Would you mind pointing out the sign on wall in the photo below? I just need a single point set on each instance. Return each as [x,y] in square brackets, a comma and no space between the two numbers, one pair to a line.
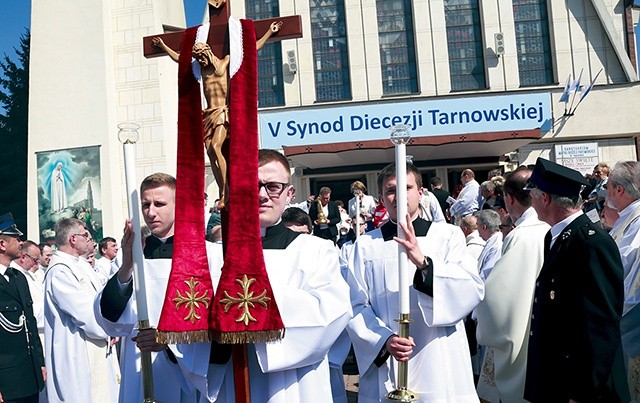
[425,117]
[69,186]
[580,156]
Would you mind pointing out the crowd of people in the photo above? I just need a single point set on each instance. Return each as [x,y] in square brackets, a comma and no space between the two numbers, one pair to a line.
[523,287]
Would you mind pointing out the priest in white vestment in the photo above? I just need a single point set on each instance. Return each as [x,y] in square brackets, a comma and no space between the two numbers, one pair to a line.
[503,315]
[78,355]
[313,300]
[445,288]
[623,193]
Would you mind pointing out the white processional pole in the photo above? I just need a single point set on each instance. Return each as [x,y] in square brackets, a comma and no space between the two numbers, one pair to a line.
[400,137]
[128,136]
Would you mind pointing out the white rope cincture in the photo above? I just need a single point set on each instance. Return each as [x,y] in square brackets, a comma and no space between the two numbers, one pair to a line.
[11,327]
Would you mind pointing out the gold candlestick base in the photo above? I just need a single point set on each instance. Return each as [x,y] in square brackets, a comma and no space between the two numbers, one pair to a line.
[402,393]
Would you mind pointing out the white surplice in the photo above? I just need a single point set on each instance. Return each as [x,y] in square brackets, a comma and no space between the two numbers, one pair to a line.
[80,364]
[440,367]
[490,254]
[169,382]
[626,233]
[313,300]
[503,315]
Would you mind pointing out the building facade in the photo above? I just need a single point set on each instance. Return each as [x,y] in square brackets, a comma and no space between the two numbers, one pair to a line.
[479,84]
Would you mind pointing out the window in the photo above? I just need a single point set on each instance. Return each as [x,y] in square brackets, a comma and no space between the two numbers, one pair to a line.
[330,57]
[397,49]
[532,42]
[464,40]
[270,78]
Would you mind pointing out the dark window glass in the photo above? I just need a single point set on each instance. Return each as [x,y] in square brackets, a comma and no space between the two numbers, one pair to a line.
[397,49]
[330,56]
[464,41]
[270,78]
[532,42]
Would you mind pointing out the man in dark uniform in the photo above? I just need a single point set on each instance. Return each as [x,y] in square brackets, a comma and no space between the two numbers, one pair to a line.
[326,230]
[575,352]
[22,369]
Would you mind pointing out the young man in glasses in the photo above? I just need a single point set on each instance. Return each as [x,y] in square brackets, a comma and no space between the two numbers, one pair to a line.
[312,297]
[75,344]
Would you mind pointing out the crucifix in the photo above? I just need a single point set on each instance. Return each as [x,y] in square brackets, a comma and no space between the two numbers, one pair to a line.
[217,62]
[274,29]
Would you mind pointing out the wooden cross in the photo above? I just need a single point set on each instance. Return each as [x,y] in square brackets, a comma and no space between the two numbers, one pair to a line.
[218,40]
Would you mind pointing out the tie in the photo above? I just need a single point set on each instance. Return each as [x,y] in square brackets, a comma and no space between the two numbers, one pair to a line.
[547,243]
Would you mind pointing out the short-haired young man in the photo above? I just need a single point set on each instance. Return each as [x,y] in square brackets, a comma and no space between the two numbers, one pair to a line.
[116,305]
[445,287]
[106,266]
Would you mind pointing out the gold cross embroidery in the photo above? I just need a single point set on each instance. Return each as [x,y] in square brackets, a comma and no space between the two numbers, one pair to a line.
[192,300]
[246,300]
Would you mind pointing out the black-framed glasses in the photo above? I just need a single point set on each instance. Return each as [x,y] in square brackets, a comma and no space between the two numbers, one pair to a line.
[273,188]
[86,236]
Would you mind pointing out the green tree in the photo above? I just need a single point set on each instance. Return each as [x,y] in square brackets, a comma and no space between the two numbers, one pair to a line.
[14,98]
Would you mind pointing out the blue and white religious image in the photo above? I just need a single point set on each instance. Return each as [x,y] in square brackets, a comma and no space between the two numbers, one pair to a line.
[69,186]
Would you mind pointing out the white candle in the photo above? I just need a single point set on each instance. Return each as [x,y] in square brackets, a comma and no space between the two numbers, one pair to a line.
[357,201]
[134,213]
[401,203]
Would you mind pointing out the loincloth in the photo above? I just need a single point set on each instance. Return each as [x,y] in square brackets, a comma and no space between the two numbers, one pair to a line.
[214,117]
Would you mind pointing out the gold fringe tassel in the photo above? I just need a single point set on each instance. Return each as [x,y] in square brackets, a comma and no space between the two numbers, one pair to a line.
[265,336]
[196,336]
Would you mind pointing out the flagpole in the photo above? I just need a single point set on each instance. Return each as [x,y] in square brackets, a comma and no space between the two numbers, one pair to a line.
[575,90]
[400,137]
[586,92]
[128,136]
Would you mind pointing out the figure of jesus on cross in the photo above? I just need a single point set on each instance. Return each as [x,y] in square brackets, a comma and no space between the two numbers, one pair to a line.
[228,128]
[215,84]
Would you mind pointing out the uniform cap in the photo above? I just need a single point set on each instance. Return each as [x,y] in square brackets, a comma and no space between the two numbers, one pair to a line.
[556,179]
[8,226]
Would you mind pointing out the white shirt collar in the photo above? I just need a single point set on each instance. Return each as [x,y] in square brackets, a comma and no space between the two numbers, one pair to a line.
[528,213]
[629,209]
[559,227]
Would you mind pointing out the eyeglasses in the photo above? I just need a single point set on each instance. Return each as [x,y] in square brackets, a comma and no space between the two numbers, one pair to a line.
[86,236]
[273,188]
[33,259]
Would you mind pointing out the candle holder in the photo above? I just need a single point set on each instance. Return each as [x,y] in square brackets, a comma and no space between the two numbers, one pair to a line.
[128,133]
[400,136]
